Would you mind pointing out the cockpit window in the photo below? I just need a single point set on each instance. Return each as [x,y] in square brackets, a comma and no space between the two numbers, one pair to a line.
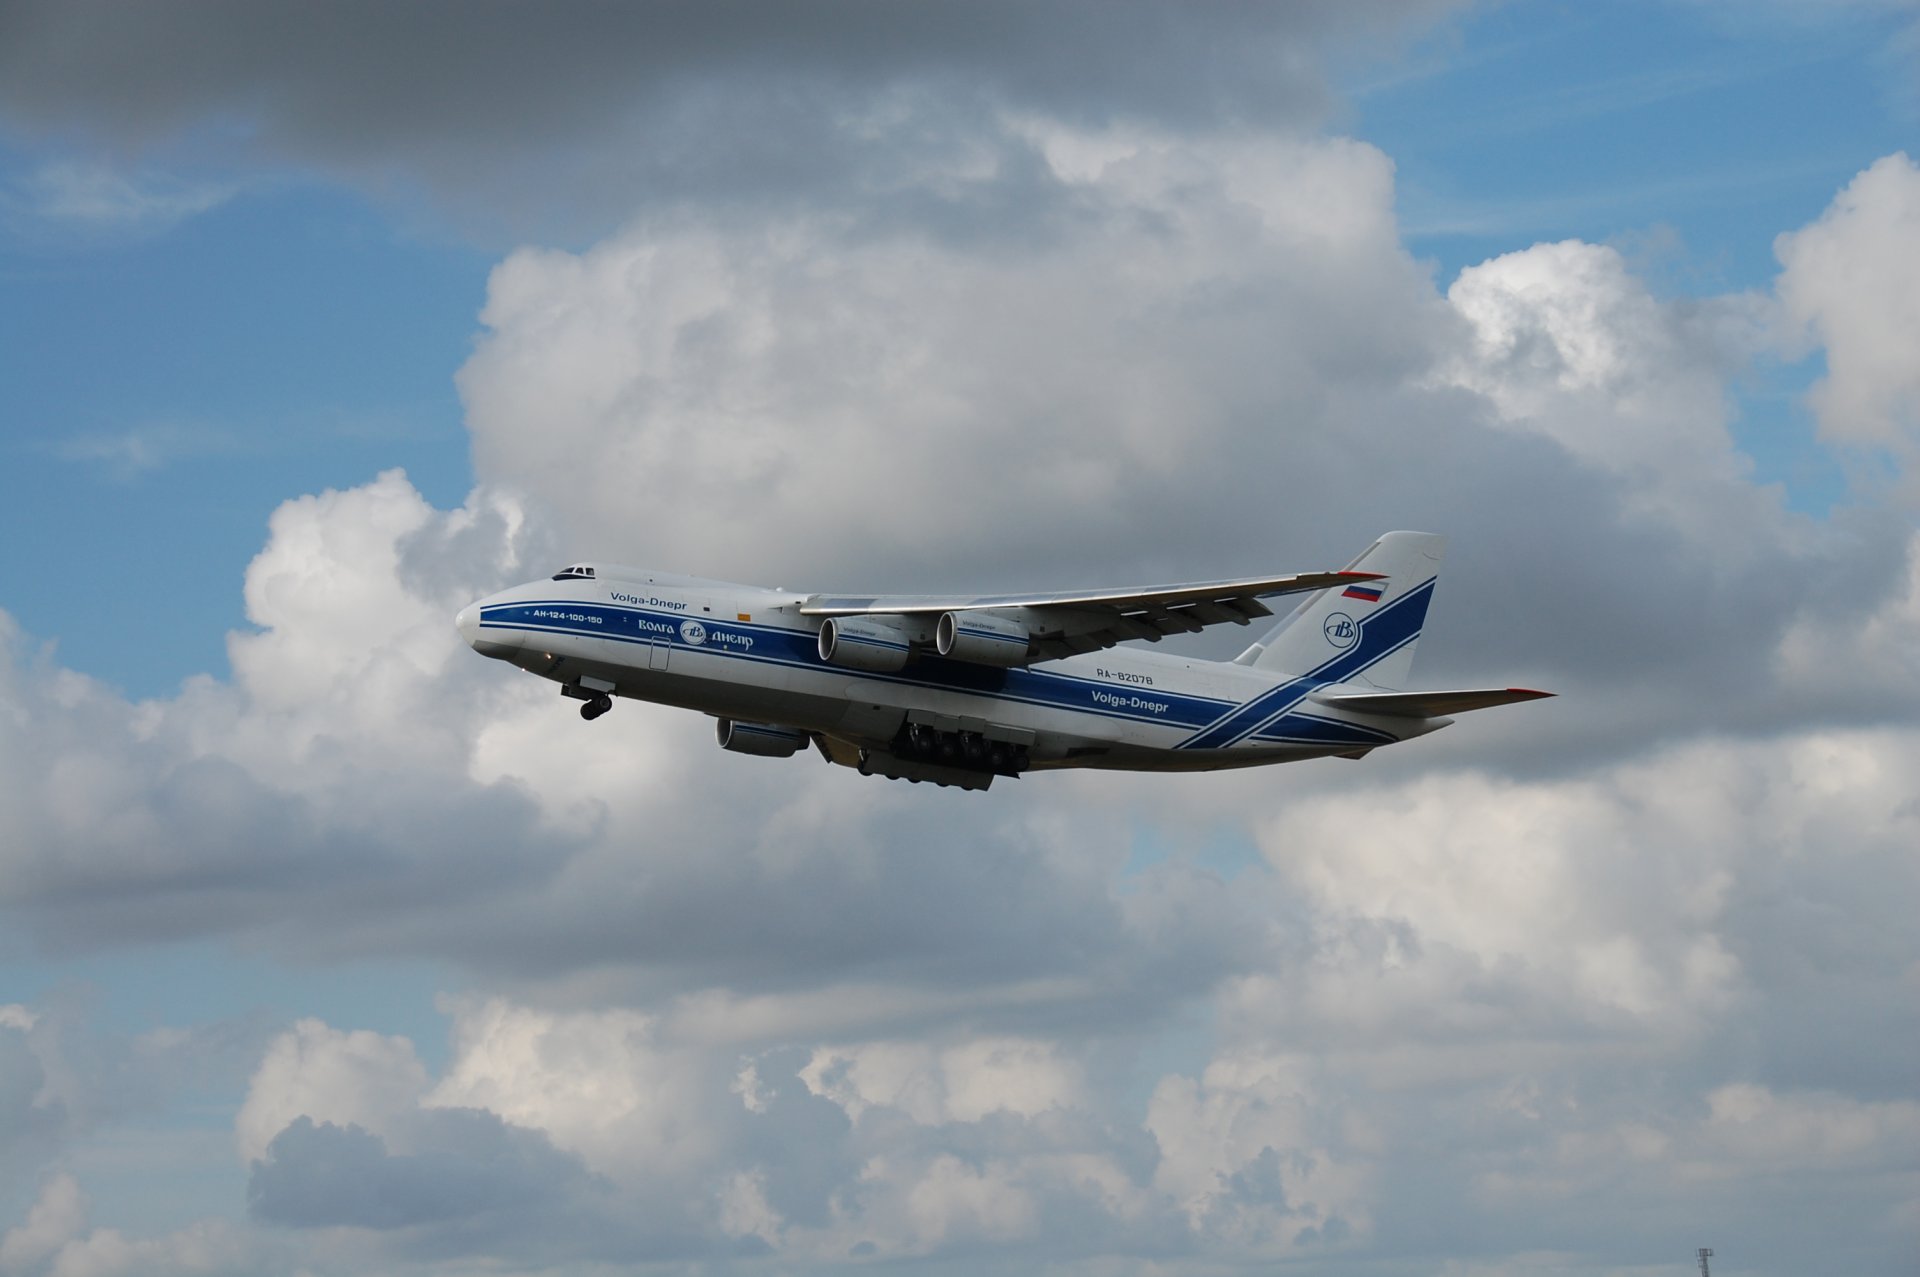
[579,573]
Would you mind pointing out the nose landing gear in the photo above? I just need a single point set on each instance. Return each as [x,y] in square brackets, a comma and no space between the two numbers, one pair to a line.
[594,692]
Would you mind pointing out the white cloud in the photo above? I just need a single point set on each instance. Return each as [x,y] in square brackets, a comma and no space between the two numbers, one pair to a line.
[1851,282]
[953,1200]
[358,1077]
[963,1082]
[598,1083]
[776,1001]
[1567,343]
[885,400]
[1752,1126]
[56,1240]
[131,453]
[57,1216]
[208,1247]
[94,197]
[1244,1151]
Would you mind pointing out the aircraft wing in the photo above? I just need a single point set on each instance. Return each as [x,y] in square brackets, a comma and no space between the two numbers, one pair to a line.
[1088,620]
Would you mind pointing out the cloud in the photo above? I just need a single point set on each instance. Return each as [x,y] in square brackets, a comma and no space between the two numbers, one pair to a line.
[473,1167]
[358,1080]
[58,1215]
[1850,282]
[669,104]
[57,1240]
[1567,343]
[128,454]
[901,405]
[31,1120]
[91,197]
[720,1006]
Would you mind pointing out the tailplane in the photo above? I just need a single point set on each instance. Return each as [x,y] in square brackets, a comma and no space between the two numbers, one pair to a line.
[1366,633]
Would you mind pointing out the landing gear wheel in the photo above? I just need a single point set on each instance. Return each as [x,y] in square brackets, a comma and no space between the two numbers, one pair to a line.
[596,707]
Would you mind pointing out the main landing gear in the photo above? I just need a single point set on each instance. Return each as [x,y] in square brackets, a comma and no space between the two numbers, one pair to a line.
[596,707]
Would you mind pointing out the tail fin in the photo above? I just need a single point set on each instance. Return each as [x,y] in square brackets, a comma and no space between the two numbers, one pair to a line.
[1365,633]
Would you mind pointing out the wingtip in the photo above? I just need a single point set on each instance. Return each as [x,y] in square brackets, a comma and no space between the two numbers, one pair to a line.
[1528,693]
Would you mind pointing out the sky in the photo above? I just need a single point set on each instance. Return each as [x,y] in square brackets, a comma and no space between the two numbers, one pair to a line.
[327,947]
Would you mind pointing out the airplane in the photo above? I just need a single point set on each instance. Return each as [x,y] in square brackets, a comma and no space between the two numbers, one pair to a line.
[961,691]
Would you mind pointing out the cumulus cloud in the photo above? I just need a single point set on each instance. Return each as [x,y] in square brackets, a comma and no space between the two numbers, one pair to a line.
[894,400]
[471,1168]
[1522,977]
[57,1216]
[57,1240]
[1567,343]
[1851,283]
[355,1079]
[897,407]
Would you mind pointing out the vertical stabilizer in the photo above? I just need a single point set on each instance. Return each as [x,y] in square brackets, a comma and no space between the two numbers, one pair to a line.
[1365,633]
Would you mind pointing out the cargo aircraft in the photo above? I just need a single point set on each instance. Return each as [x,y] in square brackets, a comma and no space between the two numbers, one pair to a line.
[959,691]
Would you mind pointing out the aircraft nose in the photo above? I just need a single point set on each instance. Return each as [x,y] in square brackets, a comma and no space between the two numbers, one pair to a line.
[467,621]
[501,644]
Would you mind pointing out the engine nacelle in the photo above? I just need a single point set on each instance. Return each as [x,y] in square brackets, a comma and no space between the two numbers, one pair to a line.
[865,643]
[984,638]
[768,740]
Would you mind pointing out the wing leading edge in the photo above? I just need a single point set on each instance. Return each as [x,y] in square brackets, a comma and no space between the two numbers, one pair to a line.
[1089,620]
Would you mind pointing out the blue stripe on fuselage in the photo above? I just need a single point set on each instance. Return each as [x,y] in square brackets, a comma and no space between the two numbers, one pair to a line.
[1295,728]
[799,649]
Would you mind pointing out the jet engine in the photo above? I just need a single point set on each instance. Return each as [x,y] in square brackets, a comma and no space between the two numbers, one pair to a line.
[983,638]
[765,739]
[864,643]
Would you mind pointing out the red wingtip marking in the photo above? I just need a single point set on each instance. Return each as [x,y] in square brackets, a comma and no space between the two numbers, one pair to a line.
[1528,691]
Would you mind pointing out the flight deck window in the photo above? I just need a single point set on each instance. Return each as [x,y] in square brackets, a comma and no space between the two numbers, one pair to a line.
[574,574]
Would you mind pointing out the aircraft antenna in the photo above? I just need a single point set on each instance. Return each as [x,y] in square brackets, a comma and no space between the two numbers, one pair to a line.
[1704,1252]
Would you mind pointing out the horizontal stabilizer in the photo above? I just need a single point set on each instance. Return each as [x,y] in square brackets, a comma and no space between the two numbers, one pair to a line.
[1423,704]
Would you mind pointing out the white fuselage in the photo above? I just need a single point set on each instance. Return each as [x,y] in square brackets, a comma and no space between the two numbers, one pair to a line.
[740,652]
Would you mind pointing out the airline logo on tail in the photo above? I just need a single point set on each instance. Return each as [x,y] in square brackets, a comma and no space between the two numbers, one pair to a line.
[1340,630]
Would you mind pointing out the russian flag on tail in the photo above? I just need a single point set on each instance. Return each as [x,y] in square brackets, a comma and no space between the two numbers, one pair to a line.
[1365,593]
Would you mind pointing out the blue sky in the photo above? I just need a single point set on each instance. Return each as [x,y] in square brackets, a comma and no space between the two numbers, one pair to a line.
[760,299]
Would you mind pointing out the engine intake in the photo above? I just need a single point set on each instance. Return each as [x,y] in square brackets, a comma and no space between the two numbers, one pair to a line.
[769,740]
[983,638]
[864,643]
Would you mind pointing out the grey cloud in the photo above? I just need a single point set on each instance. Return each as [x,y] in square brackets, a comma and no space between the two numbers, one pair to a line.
[474,1164]
[799,1141]
[1025,930]
[471,1185]
[30,1124]
[111,840]
[626,103]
